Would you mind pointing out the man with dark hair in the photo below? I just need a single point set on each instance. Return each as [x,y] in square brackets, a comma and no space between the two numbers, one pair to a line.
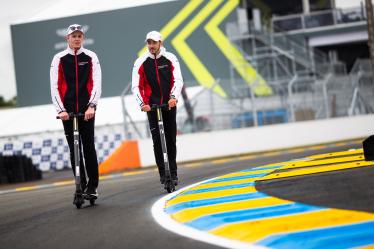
[157,79]
[76,88]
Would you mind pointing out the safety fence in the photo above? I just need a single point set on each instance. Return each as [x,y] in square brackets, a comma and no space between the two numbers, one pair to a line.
[49,150]
[299,99]
[320,19]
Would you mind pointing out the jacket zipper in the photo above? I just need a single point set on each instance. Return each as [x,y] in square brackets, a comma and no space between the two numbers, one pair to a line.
[76,79]
[158,80]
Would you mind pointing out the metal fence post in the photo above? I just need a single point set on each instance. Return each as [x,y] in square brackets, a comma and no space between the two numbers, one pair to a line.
[370,27]
[253,102]
[325,95]
[124,113]
[212,100]
[290,97]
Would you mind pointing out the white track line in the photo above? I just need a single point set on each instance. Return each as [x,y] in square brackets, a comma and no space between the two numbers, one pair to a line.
[165,220]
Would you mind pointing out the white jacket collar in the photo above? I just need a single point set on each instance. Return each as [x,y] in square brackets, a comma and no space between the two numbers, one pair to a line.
[162,52]
[71,51]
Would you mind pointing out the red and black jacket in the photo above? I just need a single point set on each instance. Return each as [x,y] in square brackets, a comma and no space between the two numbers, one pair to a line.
[156,79]
[75,80]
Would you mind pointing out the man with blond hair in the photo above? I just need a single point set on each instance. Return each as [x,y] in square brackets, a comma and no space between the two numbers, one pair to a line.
[75,77]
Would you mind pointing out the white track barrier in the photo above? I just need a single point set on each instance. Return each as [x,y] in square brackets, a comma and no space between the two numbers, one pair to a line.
[266,138]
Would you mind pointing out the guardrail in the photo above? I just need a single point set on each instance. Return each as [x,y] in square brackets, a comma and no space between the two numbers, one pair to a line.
[318,19]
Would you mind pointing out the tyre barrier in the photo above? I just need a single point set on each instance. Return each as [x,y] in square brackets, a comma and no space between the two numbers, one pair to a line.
[16,169]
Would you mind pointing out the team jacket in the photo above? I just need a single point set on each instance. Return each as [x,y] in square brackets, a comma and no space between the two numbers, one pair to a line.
[75,80]
[156,80]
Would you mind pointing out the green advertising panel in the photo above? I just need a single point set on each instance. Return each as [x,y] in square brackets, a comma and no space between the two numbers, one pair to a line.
[193,30]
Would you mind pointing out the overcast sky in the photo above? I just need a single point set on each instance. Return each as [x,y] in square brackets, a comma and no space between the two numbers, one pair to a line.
[13,13]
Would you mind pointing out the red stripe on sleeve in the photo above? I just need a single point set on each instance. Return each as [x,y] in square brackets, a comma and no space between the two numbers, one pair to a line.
[172,77]
[61,82]
[144,86]
[90,80]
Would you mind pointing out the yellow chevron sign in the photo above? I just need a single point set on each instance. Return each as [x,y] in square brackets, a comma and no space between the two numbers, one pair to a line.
[176,21]
[192,61]
[200,72]
[246,71]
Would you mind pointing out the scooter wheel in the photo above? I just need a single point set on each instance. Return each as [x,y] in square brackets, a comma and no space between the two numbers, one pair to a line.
[78,201]
[92,202]
[169,186]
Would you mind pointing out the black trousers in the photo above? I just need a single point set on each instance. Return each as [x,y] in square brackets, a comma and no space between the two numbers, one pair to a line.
[170,127]
[87,141]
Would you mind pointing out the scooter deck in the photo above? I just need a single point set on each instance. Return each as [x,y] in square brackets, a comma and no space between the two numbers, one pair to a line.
[90,197]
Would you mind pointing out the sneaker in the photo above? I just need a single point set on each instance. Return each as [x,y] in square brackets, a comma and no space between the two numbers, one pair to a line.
[162,179]
[78,199]
[91,193]
[75,200]
[174,178]
[84,187]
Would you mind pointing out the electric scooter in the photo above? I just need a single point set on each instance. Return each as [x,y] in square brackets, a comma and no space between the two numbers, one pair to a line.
[169,184]
[79,196]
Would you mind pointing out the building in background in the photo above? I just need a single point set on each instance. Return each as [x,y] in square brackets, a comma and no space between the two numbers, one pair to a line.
[341,33]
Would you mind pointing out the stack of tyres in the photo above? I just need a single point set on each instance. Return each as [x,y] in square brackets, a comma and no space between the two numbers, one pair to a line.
[36,174]
[28,169]
[8,161]
[3,172]
[368,146]
[18,169]
[15,169]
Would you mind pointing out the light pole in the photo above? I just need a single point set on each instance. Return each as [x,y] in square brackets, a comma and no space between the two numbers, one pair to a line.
[370,21]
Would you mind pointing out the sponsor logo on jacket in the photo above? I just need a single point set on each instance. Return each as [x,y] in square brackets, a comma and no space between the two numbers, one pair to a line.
[162,66]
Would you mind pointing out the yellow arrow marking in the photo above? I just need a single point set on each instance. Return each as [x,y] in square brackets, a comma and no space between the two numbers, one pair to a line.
[336,154]
[246,71]
[246,173]
[315,170]
[197,68]
[326,162]
[176,21]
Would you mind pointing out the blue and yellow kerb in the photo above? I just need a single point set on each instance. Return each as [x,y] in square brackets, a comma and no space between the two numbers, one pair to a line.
[230,207]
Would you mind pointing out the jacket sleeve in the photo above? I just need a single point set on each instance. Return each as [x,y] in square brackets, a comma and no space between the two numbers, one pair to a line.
[177,75]
[137,85]
[54,77]
[96,77]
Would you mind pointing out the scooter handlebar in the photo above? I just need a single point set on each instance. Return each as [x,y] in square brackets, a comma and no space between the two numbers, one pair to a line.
[162,106]
[72,115]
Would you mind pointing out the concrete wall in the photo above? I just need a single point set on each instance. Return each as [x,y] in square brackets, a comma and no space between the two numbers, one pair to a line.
[265,138]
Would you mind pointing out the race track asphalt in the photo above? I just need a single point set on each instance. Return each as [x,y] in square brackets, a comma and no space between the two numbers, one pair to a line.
[46,218]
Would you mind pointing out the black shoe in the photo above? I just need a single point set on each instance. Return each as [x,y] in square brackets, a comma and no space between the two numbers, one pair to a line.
[78,198]
[91,193]
[84,187]
[75,199]
[162,179]
[174,178]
